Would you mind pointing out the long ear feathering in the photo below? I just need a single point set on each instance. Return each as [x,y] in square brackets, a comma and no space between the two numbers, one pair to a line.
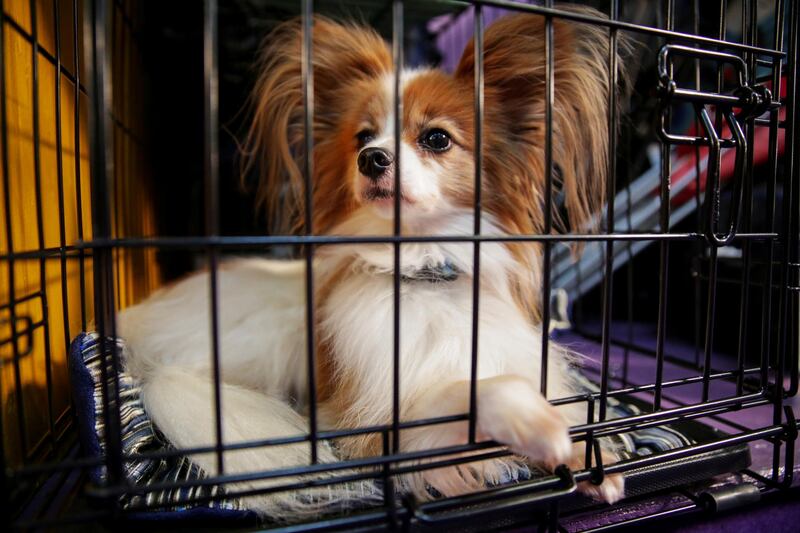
[514,80]
[514,131]
[274,146]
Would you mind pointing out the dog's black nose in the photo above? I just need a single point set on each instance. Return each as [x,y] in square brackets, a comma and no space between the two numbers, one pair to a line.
[373,162]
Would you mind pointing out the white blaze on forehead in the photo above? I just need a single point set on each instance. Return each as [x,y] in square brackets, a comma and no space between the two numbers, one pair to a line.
[388,86]
[420,180]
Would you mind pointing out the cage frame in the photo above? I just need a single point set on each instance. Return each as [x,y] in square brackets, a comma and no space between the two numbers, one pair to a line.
[781,432]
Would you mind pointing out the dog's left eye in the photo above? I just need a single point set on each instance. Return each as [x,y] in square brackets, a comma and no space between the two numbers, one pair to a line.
[436,140]
[365,136]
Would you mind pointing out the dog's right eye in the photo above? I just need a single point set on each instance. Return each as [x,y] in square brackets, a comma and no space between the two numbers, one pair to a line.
[364,137]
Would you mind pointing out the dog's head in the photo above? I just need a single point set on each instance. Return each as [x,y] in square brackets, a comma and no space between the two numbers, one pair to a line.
[354,156]
[355,159]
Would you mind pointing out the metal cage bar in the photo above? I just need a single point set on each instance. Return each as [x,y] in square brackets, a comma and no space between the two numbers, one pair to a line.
[777,347]
[476,257]
[211,164]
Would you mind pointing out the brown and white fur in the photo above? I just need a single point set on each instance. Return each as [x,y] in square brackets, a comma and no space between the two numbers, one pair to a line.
[262,303]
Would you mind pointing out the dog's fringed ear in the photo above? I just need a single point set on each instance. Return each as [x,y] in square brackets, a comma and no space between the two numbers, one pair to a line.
[514,116]
[274,147]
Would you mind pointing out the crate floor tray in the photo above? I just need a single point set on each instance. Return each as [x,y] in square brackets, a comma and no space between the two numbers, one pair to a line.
[139,434]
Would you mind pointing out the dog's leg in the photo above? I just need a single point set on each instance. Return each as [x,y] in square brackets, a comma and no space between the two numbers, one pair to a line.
[612,489]
[180,402]
[512,412]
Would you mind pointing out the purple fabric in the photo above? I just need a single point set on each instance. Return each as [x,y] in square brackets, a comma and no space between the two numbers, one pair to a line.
[641,370]
[779,517]
[453,31]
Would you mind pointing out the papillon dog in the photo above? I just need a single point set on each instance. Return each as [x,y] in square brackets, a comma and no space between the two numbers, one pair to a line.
[262,303]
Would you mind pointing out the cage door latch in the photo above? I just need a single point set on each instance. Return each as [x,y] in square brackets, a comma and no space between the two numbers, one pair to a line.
[745,101]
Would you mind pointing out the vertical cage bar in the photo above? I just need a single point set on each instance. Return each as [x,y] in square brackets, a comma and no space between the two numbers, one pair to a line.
[308,108]
[748,19]
[62,235]
[749,37]
[792,154]
[14,335]
[12,311]
[766,315]
[388,485]
[5,482]
[102,161]
[397,55]
[37,178]
[476,266]
[116,137]
[698,245]
[587,457]
[211,151]
[629,289]
[713,250]
[549,91]
[789,240]
[628,265]
[608,277]
[77,144]
[663,267]
[789,230]
[711,308]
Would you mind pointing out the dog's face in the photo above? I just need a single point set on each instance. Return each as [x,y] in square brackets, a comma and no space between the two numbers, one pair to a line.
[354,157]
[436,160]
[354,162]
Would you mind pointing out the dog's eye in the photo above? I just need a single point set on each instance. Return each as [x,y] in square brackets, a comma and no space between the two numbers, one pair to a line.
[364,137]
[436,140]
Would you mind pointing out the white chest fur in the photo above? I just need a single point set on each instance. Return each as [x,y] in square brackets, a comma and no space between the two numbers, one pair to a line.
[436,321]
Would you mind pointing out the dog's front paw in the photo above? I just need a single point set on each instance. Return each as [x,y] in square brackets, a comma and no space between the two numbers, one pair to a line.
[611,490]
[513,413]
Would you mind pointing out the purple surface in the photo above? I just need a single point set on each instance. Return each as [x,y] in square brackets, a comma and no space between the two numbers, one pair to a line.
[780,517]
[453,31]
[641,370]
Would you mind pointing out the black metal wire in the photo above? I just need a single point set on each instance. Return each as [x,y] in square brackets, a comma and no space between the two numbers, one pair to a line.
[397,56]
[663,269]
[118,179]
[698,248]
[62,223]
[10,242]
[668,33]
[37,176]
[476,264]
[392,462]
[258,241]
[77,152]
[44,53]
[308,108]
[713,251]
[5,488]
[103,260]
[791,234]
[549,95]
[766,320]
[794,224]
[211,122]
[608,277]
[744,297]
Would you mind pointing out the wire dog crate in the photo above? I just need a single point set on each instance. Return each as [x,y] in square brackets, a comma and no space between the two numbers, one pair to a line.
[686,302]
